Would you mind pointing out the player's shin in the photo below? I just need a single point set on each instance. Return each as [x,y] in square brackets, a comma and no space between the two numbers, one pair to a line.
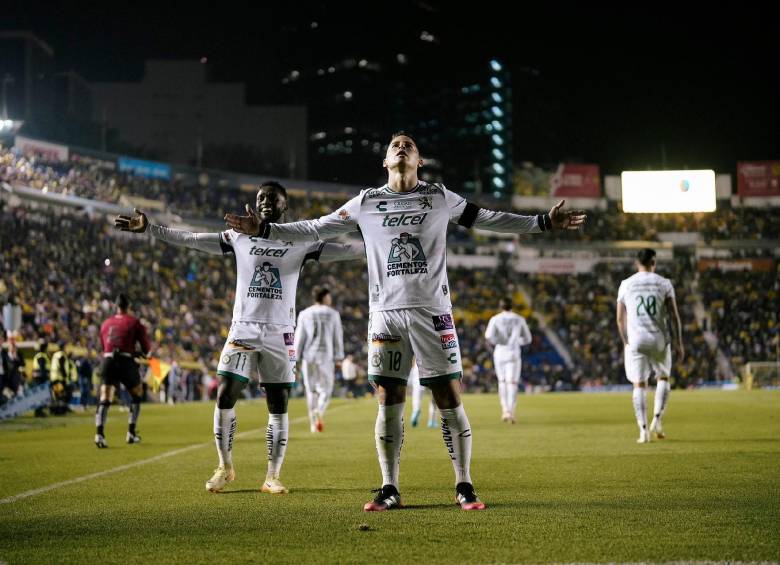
[456,431]
[389,436]
[224,430]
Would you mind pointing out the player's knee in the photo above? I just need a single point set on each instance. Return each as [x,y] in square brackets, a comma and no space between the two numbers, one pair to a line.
[225,402]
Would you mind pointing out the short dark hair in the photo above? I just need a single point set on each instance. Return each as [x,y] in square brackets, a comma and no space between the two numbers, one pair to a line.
[646,256]
[122,302]
[402,132]
[505,303]
[274,184]
[319,293]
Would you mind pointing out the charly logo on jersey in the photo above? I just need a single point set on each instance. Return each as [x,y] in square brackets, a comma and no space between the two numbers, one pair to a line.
[448,341]
[406,256]
[266,282]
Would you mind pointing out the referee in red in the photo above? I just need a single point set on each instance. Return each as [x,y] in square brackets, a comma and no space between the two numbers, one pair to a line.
[119,335]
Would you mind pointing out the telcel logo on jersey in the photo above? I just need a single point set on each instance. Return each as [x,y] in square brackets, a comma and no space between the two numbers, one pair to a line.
[268,252]
[403,220]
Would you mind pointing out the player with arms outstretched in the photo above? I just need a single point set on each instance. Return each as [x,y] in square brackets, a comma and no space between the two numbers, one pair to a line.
[261,337]
[404,227]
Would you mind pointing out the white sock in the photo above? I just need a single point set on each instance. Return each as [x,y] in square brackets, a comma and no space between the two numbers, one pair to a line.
[511,397]
[311,403]
[324,399]
[224,430]
[662,390]
[456,431]
[640,407]
[431,410]
[502,396]
[276,441]
[389,436]
[417,392]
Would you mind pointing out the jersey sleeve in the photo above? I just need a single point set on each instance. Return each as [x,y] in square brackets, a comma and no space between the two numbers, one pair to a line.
[143,338]
[301,334]
[621,297]
[211,243]
[668,289]
[491,333]
[338,341]
[525,333]
[468,215]
[343,220]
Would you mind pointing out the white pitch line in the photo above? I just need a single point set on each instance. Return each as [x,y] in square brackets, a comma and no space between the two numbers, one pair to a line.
[121,468]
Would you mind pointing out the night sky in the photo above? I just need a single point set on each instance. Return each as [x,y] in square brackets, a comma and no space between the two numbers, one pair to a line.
[623,90]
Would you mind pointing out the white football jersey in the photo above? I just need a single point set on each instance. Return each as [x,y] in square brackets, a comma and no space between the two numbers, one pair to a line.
[319,336]
[508,332]
[644,295]
[267,276]
[405,235]
[266,271]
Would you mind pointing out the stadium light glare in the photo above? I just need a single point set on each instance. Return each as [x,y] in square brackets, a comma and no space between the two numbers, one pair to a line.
[497,139]
[497,111]
[497,125]
[495,82]
[495,65]
[498,154]
[668,191]
[497,97]
[498,182]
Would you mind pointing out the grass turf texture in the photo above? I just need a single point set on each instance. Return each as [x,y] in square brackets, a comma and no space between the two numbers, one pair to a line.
[567,483]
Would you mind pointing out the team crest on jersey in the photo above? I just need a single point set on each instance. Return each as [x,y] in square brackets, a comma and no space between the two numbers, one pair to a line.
[425,202]
[406,257]
[376,360]
[443,322]
[266,282]
[448,341]
[344,215]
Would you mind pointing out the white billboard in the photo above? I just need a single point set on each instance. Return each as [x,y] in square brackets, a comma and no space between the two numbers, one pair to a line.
[668,191]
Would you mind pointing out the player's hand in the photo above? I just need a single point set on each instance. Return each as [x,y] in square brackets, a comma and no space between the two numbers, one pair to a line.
[679,351]
[567,220]
[249,224]
[137,223]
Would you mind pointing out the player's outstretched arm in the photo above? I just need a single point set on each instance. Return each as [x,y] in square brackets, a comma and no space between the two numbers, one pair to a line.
[137,223]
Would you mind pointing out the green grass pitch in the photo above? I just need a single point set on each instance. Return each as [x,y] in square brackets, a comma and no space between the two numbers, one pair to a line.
[566,484]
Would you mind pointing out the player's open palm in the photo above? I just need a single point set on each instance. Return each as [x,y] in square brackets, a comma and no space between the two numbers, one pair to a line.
[136,223]
[567,219]
[249,223]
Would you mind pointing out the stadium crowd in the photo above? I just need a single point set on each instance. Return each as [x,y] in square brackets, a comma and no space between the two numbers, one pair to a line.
[62,267]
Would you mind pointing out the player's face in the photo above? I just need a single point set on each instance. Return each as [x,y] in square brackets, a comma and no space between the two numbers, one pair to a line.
[271,203]
[402,153]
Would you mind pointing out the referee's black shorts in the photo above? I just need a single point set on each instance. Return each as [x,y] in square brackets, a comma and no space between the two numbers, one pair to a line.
[120,369]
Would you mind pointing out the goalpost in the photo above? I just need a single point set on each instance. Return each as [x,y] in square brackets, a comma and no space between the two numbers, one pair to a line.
[761,375]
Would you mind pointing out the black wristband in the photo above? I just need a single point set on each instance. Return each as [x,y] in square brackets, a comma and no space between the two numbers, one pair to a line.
[544,221]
